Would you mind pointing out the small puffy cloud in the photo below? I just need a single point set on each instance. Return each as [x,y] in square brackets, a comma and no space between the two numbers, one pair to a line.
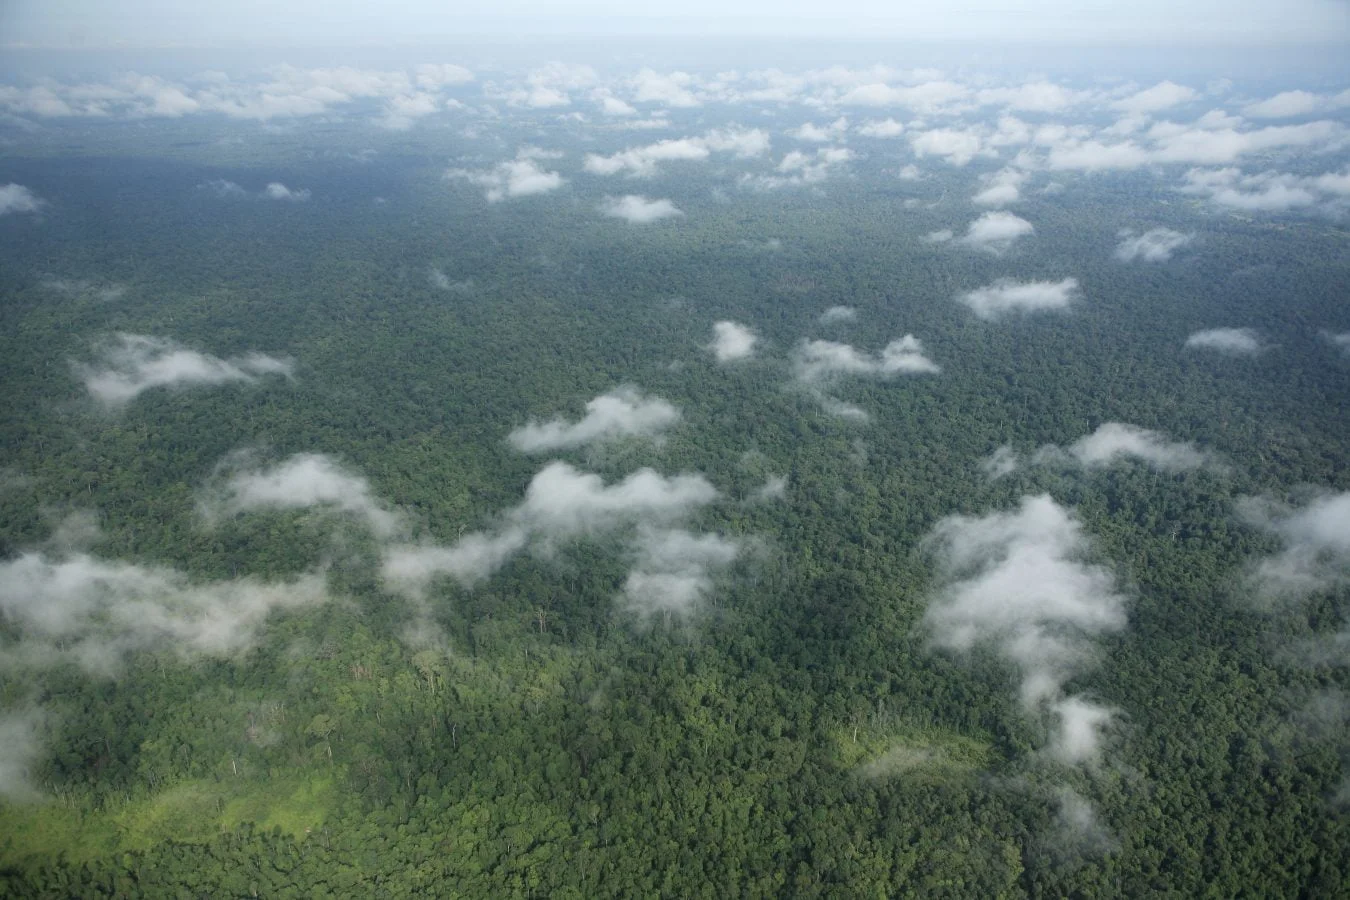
[1267,191]
[817,361]
[1020,583]
[670,89]
[1001,188]
[732,341]
[1007,296]
[1154,245]
[1163,95]
[798,168]
[613,106]
[645,161]
[821,134]
[928,97]
[956,146]
[1316,538]
[1237,341]
[278,191]
[621,413]
[1114,441]
[302,481]
[674,570]
[940,236]
[909,173]
[838,314]
[15,198]
[881,128]
[132,363]
[224,188]
[560,503]
[996,231]
[519,177]
[94,612]
[401,112]
[1002,462]
[1285,105]
[638,209]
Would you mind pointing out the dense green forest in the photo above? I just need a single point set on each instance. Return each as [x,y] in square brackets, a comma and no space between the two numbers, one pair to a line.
[208,692]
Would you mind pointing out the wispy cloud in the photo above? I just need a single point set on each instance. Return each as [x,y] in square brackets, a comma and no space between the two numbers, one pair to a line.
[1235,341]
[131,364]
[1019,582]
[1154,245]
[836,314]
[621,413]
[645,161]
[302,481]
[1006,297]
[560,502]
[674,570]
[1316,538]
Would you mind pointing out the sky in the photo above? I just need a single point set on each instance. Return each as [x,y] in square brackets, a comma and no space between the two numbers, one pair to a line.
[208,23]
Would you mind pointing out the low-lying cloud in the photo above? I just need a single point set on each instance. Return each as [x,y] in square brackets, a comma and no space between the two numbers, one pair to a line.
[674,570]
[1006,297]
[519,177]
[1154,245]
[1235,341]
[621,413]
[1316,538]
[818,361]
[15,198]
[131,364]
[560,503]
[644,162]
[278,191]
[996,231]
[302,481]
[732,341]
[639,210]
[1019,583]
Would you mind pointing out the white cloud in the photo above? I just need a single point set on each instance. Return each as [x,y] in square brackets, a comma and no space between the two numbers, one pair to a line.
[645,161]
[302,481]
[939,237]
[817,361]
[223,188]
[1001,188]
[1268,191]
[671,89]
[909,173]
[278,191]
[798,168]
[133,363]
[401,112]
[929,97]
[638,209]
[1197,144]
[1002,462]
[1154,245]
[519,177]
[560,502]
[1316,537]
[613,106]
[1007,296]
[732,341]
[15,198]
[1113,441]
[674,570]
[1163,95]
[838,314]
[1237,341]
[996,231]
[821,134]
[1341,339]
[1285,105]
[94,612]
[1018,582]
[956,146]
[621,413]
[882,128]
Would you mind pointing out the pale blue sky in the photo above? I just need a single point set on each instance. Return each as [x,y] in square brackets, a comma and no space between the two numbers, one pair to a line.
[62,23]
